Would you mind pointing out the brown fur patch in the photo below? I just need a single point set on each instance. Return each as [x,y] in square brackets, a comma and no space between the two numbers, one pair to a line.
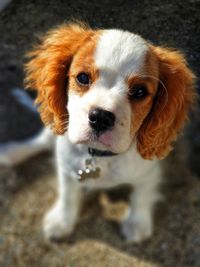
[47,71]
[170,109]
[84,62]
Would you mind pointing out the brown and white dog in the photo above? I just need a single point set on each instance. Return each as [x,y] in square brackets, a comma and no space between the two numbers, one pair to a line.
[122,97]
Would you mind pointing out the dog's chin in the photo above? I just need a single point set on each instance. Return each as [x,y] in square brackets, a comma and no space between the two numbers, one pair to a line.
[104,142]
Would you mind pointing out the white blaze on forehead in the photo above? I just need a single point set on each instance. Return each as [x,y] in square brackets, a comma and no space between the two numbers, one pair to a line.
[120,51]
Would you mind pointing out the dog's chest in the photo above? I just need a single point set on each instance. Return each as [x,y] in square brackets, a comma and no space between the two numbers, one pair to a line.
[127,168]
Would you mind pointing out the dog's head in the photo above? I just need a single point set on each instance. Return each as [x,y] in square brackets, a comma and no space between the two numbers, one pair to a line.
[110,89]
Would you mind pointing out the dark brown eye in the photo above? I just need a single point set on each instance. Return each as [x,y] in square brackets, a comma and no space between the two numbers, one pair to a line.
[138,92]
[83,79]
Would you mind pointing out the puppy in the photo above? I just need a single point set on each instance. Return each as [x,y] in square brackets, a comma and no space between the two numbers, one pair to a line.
[116,103]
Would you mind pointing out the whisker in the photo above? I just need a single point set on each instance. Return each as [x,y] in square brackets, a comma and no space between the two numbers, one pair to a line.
[63,122]
[165,103]
[65,128]
[63,115]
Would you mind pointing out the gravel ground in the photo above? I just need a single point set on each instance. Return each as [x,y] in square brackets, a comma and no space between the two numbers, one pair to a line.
[23,196]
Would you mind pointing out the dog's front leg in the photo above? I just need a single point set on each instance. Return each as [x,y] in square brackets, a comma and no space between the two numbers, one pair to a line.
[62,217]
[139,224]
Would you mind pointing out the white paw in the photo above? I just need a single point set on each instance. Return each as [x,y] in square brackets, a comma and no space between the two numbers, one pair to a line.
[136,229]
[58,223]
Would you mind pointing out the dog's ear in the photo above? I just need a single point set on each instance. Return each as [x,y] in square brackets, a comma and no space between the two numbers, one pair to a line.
[175,96]
[47,71]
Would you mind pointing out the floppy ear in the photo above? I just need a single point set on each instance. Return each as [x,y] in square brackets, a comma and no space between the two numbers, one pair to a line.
[47,72]
[170,109]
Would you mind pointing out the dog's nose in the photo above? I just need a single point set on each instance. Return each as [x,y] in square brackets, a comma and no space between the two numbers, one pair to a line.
[101,120]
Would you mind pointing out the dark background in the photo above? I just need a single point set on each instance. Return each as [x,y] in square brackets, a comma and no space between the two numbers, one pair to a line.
[27,191]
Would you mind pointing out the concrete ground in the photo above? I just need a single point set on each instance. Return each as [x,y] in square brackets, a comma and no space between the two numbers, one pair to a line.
[28,190]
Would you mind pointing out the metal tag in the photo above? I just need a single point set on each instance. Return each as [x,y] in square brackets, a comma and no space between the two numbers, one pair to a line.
[90,171]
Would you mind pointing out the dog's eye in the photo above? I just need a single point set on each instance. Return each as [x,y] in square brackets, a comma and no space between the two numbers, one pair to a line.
[138,92]
[83,78]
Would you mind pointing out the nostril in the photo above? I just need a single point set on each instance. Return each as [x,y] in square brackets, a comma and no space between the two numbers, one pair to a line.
[93,116]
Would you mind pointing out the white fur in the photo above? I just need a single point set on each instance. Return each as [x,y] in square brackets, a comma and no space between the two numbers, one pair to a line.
[118,54]
[121,53]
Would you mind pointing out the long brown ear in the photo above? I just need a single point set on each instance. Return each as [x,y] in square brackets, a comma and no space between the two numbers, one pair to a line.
[47,71]
[171,106]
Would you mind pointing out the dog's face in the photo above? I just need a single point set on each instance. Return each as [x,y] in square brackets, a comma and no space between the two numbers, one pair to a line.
[110,90]
[113,88]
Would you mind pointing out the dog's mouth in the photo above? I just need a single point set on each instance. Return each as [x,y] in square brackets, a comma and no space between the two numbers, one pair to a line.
[108,141]
[105,139]
[103,144]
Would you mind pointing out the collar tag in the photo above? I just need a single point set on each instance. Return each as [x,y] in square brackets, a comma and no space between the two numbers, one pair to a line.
[90,171]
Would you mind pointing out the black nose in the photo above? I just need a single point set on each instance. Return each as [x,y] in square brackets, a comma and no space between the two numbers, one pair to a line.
[101,120]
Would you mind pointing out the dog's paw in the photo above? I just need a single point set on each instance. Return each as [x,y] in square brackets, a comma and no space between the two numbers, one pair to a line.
[136,229]
[57,225]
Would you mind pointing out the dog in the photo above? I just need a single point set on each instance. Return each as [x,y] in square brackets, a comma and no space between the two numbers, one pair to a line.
[116,104]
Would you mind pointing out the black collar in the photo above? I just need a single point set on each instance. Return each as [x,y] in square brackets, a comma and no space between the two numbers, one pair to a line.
[100,153]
